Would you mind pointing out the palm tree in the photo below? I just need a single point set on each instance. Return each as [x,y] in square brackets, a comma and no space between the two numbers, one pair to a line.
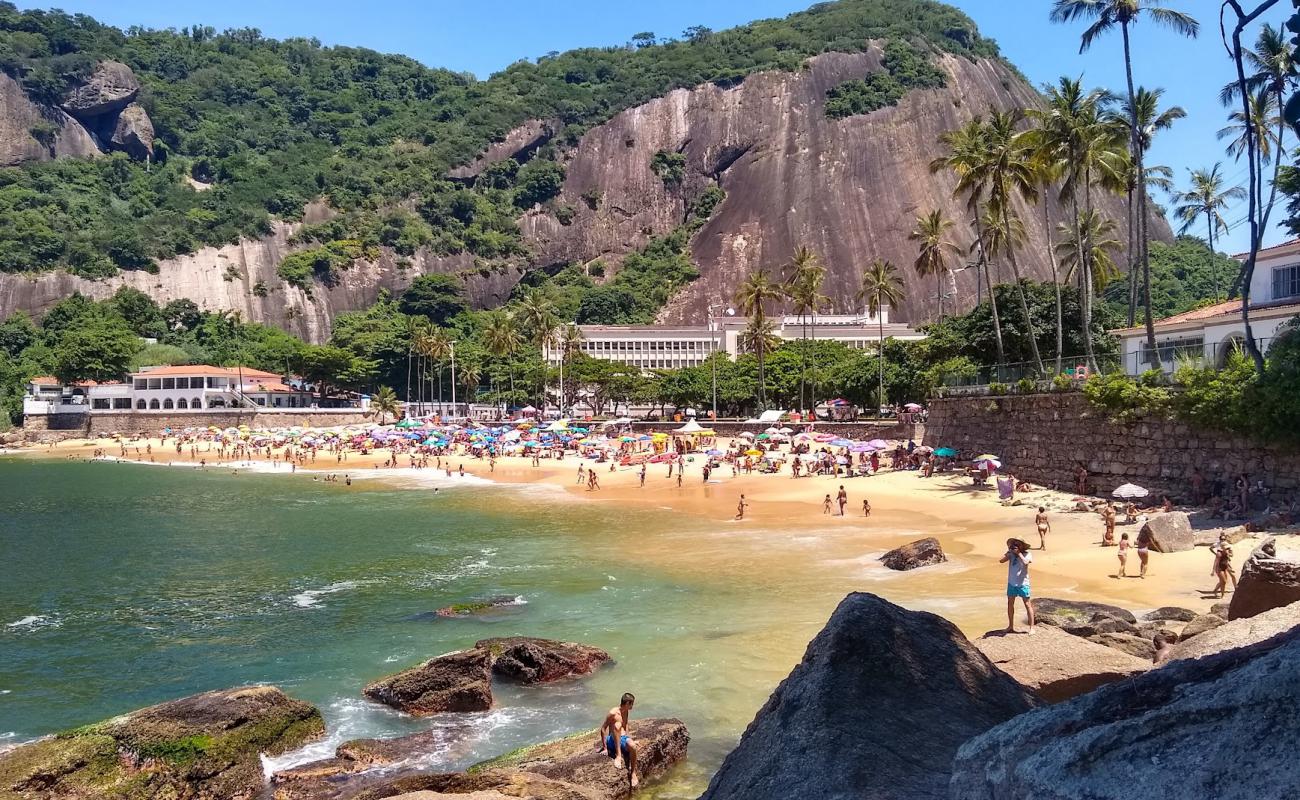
[1106,15]
[1049,172]
[570,344]
[537,315]
[1273,66]
[423,345]
[1265,113]
[804,276]
[933,249]
[502,340]
[1207,196]
[759,337]
[470,377]
[752,296]
[966,147]
[385,403]
[1009,171]
[1145,108]
[1098,244]
[881,287]
[438,348]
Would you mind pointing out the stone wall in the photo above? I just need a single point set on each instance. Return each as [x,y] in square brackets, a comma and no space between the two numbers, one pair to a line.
[41,428]
[862,431]
[1044,438]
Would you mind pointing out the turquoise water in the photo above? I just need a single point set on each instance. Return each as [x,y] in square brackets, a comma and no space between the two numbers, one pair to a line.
[123,585]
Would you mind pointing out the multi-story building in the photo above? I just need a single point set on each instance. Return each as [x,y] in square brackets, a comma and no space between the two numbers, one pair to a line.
[674,347]
[1209,335]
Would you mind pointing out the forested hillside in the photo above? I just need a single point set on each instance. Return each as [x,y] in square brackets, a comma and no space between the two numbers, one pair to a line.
[250,129]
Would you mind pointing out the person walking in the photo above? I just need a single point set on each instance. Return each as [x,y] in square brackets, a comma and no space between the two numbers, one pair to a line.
[1018,558]
[1122,554]
[842,499]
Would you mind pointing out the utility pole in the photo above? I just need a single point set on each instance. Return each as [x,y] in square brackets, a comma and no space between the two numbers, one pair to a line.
[452,346]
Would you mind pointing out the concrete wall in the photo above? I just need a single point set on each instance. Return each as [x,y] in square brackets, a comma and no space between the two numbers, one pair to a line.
[1045,437]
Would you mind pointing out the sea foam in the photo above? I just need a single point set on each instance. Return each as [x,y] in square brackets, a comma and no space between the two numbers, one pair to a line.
[311,597]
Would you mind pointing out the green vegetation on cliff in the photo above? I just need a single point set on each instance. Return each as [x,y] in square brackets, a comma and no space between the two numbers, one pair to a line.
[271,125]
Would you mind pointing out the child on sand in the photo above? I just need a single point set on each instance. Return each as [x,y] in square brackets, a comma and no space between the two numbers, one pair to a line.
[866,507]
[1122,555]
[742,505]
[1108,518]
[826,505]
[1223,567]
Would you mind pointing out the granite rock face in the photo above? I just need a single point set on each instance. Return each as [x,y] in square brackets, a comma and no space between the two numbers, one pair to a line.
[454,682]
[1221,726]
[921,553]
[1269,579]
[1169,532]
[22,121]
[111,87]
[1239,633]
[877,708]
[133,132]
[1056,665]
[1170,613]
[528,660]
[204,747]
[1062,613]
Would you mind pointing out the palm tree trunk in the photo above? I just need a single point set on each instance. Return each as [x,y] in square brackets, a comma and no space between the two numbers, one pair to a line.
[993,302]
[1085,272]
[1132,261]
[1135,145]
[880,358]
[1020,292]
[1056,286]
[408,376]
[1209,239]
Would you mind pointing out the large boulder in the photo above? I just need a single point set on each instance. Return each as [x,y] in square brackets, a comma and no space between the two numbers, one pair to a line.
[877,708]
[1052,611]
[1269,579]
[204,747]
[1136,646]
[527,660]
[1170,532]
[29,132]
[1239,633]
[455,682]
[133,133]
[921,553]
[1200,624]
[111,87]
[1170,614]
[1222,727]
[567,769]
[1055,664]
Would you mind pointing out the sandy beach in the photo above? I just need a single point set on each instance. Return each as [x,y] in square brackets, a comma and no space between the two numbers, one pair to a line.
[970,522]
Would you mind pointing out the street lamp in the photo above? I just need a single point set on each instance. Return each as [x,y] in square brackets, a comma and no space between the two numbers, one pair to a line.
[452,347]
[714,329]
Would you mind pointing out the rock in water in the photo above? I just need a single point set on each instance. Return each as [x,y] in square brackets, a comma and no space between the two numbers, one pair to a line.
[204,747]
[921,553]
[1270,579]
[1055,664]
[1169,532]
[1050,611]
[1238,633]
[1222,727]
[876,709]
[454,682]
[111,87]
[529,661]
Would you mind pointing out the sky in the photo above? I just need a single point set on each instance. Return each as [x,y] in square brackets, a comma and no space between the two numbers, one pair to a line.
[482,37]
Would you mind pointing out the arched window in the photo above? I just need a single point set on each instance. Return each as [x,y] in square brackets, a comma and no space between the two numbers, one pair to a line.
[181,403]
[153,404]
[196,403]
[140,404]
[168,404]
[217,402]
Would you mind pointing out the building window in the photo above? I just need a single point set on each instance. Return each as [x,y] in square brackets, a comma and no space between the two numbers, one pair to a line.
[1286,282]
[182,403]
[140,383]
[196,403]
[169,383]
[120,403]
[1174,349]
[99,403]
[168,404]
[155,383]
[153,404]
[141,404]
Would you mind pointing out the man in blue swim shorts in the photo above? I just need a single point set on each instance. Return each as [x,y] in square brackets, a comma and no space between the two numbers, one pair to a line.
[615,738]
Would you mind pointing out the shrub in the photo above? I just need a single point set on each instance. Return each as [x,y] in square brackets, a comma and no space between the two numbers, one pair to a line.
[1125,399]
[997,388]
[1062,383]
[565,213]
[1026,386]
[670,167]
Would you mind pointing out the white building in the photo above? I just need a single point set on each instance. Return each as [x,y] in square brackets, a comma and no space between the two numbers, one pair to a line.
[196,387]
[674,347]
[1209,335]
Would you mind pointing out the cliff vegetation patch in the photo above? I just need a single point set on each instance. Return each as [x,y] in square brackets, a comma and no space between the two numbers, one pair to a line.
[904,68]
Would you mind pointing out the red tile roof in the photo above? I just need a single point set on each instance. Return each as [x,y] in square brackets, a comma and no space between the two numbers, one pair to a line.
[205,370]
[46,380]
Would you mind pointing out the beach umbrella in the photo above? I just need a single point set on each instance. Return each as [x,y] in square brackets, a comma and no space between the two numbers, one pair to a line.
[1129,491]
[986,457]
[714,452]
[746,435]
[825,437]
[753,452]
[945,452]
[879,444]
[763,436]
[785,430]
[988,464]
[924,450]
[860,447]
[912,407]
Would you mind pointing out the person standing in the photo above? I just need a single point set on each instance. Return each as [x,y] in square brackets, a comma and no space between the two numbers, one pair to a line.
[642,474]
[1018,558]
[1223,567]
[740,507]
[1044,527]
[842,499]
[866,507]
[1122,554]
[1143,551]
[826,505]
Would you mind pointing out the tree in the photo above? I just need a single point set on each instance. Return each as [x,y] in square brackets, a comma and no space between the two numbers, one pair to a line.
[537,316]
[140,312]
[804,277]
[537,182]
[1207,197]
[502,340]
[607,305]
[470,378]
[97,349]
[325,366]
[1106,15]
[1098,246]
[881,287]
[435,297]
[181,315]
[752,296]
[933,249]
[385,404]
[966,151]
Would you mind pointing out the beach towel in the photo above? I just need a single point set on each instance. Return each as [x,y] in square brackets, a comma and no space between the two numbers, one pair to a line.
[1006,488]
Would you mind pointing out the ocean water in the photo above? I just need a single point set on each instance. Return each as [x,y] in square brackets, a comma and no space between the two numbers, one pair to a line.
[123,585]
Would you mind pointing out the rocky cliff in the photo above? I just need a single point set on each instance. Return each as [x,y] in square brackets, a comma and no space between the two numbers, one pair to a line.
[848,188]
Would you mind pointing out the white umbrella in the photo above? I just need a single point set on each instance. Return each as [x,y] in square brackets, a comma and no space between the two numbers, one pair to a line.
[746,435]
[1130,490]
[785,430]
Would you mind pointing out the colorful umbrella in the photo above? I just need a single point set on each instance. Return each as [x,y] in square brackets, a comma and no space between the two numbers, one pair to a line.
[946,452]
[988,464]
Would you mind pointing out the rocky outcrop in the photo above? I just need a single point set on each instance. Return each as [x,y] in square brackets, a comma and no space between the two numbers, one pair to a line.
[110,88]
[567,769]
[1170,532]
[518,144]
[529,661]
[1238,633]
[1269,579]
[1136,646]
[1055,664]
[204,747]
[921,553]
[133,132]
[1077,611]
[1170,613]
[792,176]
[454,682]
[473,607]
[1221,726]
[877,708]
[22,122]
[1200,624]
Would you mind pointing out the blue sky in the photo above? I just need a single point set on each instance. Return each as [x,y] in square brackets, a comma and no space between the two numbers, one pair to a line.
[481,37]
